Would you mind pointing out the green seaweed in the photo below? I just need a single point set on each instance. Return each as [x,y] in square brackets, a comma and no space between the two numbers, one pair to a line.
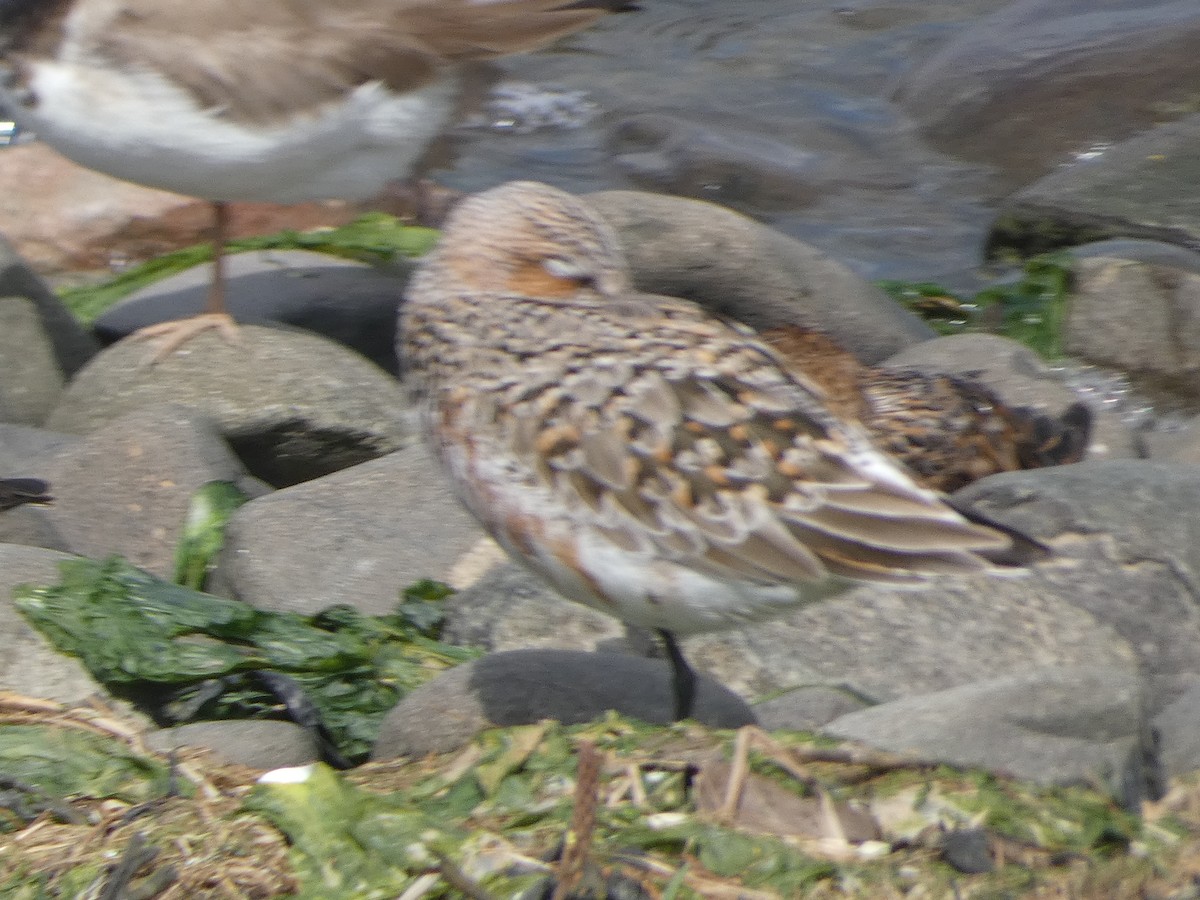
[374,238]
[209,509]
[153,640]
[1031,309]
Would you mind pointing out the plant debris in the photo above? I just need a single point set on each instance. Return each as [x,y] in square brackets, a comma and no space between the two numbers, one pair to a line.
[492,819]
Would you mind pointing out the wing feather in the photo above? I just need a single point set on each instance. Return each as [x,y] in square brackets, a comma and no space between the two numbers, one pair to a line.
[265,60]
[735,468]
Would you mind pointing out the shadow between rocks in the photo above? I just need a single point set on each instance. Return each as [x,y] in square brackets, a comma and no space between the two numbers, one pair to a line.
[520,687]
[571,686]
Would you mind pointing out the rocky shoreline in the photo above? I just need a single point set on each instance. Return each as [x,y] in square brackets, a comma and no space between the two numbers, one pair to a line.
[1085,669]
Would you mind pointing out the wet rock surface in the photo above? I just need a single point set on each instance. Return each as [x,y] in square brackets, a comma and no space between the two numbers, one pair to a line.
[887,135]
[1131,189]
[1028,69]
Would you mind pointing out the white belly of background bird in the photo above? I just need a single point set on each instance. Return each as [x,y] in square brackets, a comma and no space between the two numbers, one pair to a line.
[348,149]
[646,459]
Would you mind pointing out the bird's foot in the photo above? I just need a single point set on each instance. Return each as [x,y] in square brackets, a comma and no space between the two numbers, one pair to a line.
[177,332]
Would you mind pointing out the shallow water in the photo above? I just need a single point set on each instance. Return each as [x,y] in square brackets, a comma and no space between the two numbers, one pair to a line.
[799,113]
[776,108]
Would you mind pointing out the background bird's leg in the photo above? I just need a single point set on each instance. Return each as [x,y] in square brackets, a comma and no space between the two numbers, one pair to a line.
[683,679]
[177,332]
[216,288]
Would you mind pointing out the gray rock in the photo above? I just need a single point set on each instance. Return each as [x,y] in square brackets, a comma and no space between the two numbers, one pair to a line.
[1065,71]
[880,642]
[1141,318]
[968,850]
[736,267]
[1178,728]
[32,378]
[1127,548]
[1132,190]
[1019,377]
[1178,443]
[29,665]
[359,536]
[24,450]
[807,708]
[72,344]
[1158,253]
[510,608]
[1051,726]
[125,488]
[525,686]
[293,405]
[346,301]
[30,526]
[886,643]
[257,743]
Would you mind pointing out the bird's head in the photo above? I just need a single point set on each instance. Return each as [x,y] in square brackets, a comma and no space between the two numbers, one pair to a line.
[531,240]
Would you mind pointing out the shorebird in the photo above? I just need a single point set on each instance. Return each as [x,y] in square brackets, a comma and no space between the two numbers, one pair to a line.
[268,100]
[15,492]
[948,430]
[645,458]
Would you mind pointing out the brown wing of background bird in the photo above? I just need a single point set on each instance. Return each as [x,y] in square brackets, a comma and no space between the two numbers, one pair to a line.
[949,430]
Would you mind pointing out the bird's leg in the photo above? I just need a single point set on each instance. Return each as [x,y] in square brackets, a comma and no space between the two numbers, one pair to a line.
[683,679]
[178,332]
[216,287]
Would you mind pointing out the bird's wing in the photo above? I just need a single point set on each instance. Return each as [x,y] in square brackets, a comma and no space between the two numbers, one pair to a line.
[481,30]
[714,455]
[265,60]
[952,430]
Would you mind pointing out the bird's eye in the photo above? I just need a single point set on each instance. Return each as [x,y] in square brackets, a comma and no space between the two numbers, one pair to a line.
[569,270]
